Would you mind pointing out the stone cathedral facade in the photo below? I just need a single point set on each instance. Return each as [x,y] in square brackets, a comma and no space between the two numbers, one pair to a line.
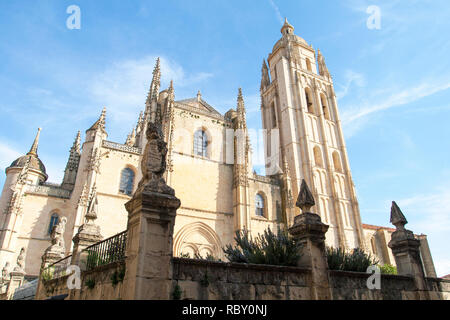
[208,165]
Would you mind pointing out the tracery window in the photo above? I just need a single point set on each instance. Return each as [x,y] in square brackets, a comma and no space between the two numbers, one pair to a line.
[54,219]
[200,143]
[259,205]
[126,181]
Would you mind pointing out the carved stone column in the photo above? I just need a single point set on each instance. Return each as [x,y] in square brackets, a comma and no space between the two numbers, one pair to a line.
[406,250]
[17,276]
[88,233]
[310,231]
[151,218]
[57,250]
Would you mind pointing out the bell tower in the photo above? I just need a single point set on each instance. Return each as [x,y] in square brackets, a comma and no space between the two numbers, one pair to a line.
[299,110]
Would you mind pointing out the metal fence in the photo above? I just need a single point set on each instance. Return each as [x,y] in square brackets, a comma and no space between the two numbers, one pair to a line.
[104,252]
[57,269]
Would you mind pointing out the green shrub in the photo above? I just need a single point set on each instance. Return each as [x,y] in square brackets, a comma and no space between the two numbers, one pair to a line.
[267,248]
[388,269]
[209,257]
[47,274]
[90,283]
[356,260]
[176,294]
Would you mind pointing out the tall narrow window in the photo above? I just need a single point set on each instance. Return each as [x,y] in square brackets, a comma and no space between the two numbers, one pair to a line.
[326,112]
[308,65]
[274,116]
[126,181]
[337,162]
[318,156]
[259,205]
[309,102]
[200,143]
[54,219]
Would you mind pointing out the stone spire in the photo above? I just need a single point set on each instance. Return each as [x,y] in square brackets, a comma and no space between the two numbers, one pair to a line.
[100,123]
[397,217]
[131,139]
[241,118]
[323,70]
[305,198]
[265,78]
[34,147]
[156,82]
[70,173]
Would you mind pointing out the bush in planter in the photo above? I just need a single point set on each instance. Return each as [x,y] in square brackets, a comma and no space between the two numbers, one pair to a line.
[267,248]
[388,269]
[356,260]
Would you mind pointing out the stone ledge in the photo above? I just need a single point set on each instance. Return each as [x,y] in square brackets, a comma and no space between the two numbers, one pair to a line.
[233,265]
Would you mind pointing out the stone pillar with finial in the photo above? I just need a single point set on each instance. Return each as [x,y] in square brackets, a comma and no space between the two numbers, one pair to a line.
[17,276]
[406,250]
[310,231]
[151,218]
[57,250]
[88,233]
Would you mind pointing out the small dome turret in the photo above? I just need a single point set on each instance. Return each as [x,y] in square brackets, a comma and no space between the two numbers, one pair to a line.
[32,157]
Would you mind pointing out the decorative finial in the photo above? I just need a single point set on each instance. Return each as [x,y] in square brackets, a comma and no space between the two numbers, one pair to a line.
[397,217]
[77,143]
[34,147]
[287,26]
[100,123]
[305,198]
[199,96]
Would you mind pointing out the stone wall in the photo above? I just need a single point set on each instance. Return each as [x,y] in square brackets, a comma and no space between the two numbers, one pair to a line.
[104,289]
[198,279]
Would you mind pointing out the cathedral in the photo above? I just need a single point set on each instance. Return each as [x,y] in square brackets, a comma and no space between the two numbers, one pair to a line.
[209,165]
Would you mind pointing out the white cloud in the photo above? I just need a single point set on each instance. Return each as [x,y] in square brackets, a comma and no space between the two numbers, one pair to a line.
[7,155]
[430,214]
[277,11]
[353,117]
[351,77]
[124,86]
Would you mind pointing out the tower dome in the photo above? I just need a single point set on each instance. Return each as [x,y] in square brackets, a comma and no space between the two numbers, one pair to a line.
[31,158]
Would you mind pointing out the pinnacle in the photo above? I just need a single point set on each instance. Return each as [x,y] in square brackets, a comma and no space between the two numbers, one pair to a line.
[34,147]
[305,198]
[397,217]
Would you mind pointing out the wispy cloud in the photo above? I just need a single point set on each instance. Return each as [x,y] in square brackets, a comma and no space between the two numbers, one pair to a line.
[429,213]
[397,99]
[7,155]
[351,77]
[124,86]
[277,12]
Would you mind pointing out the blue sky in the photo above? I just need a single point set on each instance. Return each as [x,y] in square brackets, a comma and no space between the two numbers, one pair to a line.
[393,84]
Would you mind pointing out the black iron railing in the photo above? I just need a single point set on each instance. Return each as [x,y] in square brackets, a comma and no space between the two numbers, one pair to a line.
[104,252]
[57,269]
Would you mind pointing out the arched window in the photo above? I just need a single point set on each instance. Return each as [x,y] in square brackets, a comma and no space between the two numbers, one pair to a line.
[54,219]
[126,181]
[308,65]
[337,162]
[309,100]
[259,205]
[326,112]
[318,156]
[200,143]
